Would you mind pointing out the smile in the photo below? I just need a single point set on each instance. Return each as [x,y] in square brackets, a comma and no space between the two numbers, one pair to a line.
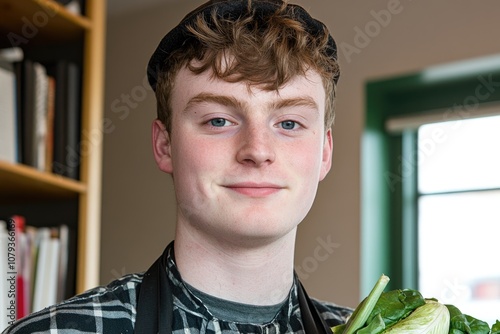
[255,189]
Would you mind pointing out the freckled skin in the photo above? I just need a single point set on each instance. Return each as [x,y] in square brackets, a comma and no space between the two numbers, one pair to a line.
[253,146]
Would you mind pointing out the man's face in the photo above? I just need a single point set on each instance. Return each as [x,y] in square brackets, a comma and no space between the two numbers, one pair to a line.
[245,162]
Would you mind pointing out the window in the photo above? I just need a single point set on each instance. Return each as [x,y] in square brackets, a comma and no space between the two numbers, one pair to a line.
[459,214]
[407,191]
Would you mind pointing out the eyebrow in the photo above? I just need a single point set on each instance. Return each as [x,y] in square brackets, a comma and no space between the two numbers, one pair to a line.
[302,101]
[229,101]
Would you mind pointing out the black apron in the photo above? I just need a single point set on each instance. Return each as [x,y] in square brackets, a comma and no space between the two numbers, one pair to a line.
[155,304]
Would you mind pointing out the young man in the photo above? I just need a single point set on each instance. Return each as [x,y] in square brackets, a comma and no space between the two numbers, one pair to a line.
[245,92]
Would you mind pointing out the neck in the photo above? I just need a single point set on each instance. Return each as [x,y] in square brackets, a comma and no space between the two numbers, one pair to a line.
[259,275]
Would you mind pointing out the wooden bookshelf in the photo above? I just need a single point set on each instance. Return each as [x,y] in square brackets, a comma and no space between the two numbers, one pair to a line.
[21,185]
[39,22]
[20,182]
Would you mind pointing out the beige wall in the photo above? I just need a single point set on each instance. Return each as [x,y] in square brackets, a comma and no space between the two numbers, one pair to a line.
[138,210]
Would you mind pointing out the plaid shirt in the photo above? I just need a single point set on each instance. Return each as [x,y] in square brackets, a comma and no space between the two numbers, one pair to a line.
[112,309]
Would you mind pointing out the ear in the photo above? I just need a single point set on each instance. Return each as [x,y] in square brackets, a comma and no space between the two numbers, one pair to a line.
[326,162]
[161,147]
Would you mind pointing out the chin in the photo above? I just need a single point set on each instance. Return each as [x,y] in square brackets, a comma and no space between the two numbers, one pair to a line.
[260,231]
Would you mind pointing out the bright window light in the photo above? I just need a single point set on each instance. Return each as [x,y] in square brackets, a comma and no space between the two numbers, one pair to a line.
[459,214]
[459,155]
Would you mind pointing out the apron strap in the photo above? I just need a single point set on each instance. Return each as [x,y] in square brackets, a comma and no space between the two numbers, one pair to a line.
[155,301]
[311,319]
[155,304]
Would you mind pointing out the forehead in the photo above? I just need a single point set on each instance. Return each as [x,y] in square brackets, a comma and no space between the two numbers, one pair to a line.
[188,85]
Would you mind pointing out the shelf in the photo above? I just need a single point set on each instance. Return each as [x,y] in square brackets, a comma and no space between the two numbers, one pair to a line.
[48,32]
[23,182]
[38,22]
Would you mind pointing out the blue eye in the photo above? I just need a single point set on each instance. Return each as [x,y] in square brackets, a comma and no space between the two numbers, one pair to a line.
[219,122]
[288,125]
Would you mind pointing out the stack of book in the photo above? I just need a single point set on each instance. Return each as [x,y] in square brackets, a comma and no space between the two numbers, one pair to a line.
[36,267]
[40,114]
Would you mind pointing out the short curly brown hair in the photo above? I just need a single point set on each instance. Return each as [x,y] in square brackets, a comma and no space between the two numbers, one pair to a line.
[264,53]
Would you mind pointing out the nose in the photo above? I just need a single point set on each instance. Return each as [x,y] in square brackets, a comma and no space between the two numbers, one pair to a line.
[257,147]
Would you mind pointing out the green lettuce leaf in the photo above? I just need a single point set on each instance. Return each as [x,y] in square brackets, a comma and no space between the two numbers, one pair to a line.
[375,326]
[406,311]
[465,324]
[395,305]
[431,318]
[495,329]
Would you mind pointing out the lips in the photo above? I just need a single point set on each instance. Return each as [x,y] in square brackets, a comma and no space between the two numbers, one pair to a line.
[253,189]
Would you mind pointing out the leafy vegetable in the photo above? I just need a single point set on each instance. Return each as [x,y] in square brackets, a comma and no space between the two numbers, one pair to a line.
[406,311]
[376,325]
[431,318]
[495,329]
[396,305]
[465,324]
[363,311]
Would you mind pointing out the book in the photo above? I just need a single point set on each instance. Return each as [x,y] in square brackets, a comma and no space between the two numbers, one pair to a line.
[49,139]
[42,265]
[25,268]
[31,235]
[48,116]
[19,225]
[62,272]
[39,256]
[35,115]
[4,296]
[27,111]
[8,113]
[40,113]
[19,69]
[67,113]
[70,277]
[46,271]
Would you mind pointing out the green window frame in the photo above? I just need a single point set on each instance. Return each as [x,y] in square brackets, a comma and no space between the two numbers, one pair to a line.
[389,165]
